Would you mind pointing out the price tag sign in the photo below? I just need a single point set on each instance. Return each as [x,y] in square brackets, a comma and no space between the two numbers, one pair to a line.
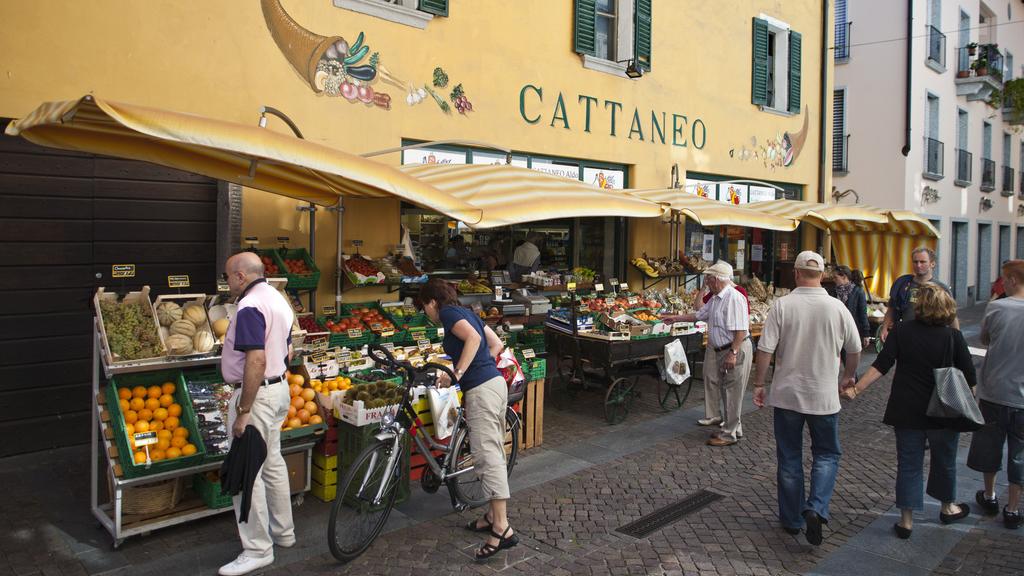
[357,243]
[387,334]
[614,282]
[599,287]
[609,301]
[355,333]
[632,300]
[329,310]
[498,293]
[317,357]
[283,239]
[222,286]
[409,310]
[180,281]
[389,346]
[145,439]
[624,287]
[529,354]
[440,332]
[376,326]
[423,344]
[571,286]
[345,355]
[319,345]
[252,240]
[122,271]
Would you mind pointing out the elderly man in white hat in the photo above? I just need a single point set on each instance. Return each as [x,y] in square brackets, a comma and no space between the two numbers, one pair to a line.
[728,356]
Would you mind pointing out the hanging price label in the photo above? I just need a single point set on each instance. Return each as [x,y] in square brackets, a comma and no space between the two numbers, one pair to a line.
[357,243]
[632,300]
[122,271]
[624,287]
[283,239]
[529,354]
[222,286]
[389,346]
[440,332]
[376,326]
[145,439]
[252,240]
[317,357]
[319,345]
[344,355]
[329,310]
[355,333]
[599,287]
[423,344]
[387,334]
[613,282]
[571,286]
[180,281]
[609,301]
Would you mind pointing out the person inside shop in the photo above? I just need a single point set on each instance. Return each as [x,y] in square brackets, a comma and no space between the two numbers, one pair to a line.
[729,352]
[257,347]
[850,291]
[474,348]
[491,256]
[903,292]
[457,253]
[526,257]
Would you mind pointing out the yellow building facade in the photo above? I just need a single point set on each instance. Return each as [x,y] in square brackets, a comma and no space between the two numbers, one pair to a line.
[519,66]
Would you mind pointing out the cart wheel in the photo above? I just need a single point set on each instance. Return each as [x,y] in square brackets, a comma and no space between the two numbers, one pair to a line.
[672,391]
[618,400]
[567,372]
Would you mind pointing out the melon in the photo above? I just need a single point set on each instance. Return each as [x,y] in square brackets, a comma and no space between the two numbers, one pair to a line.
[179,345]
[220,327]
[195,314]
[203,341]
[183,327]
[167,313]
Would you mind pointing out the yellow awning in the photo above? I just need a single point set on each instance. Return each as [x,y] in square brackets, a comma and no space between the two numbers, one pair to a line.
[823,216]
[511,194]
[714,213]
[224,150]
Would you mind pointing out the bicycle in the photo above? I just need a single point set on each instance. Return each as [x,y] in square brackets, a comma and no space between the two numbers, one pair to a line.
[368,489]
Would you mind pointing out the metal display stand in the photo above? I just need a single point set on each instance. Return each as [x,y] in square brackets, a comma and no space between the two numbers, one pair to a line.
[107,506]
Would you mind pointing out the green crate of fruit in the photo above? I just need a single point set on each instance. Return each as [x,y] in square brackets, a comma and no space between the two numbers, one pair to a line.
[358,378]
[298,281]
[209,492]
[352,440]
[396,337]
[187,420]
[432,333]
[343,338]
[275,260]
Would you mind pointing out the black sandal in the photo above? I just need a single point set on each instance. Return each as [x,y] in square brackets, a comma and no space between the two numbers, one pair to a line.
[472,525]
[488,549]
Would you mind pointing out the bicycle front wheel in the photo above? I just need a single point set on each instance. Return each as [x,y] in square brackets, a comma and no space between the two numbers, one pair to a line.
[365,497]
[468,487]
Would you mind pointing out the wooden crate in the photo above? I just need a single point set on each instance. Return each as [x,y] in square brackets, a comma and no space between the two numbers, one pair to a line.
[110,361]
[532,413]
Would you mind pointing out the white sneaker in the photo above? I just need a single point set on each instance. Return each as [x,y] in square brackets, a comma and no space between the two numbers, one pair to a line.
[709,421]
[245,564]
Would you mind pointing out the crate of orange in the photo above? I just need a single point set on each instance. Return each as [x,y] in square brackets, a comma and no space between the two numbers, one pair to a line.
[153,402]
[303,417]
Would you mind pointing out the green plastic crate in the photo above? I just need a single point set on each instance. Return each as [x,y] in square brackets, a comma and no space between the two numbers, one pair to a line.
[299,281]
[352,440]
[207,376]
[397,337]
[535,369]
[209,492]
[356,380]
[187,419]
[432,334]
[342,339]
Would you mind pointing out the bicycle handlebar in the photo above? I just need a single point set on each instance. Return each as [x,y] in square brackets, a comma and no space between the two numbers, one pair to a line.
[382,356]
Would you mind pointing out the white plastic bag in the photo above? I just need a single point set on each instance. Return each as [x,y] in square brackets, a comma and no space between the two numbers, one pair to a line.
[677,367]
[444,408]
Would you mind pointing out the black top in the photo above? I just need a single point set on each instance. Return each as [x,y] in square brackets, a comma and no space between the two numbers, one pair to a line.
[857,303]
[917,349]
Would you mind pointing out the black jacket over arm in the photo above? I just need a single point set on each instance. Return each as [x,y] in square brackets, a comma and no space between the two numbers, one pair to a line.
[857,303]
[917,349]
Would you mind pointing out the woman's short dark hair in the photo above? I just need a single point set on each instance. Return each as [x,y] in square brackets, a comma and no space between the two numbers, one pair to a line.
[857,277]
[844,271]
[439,291]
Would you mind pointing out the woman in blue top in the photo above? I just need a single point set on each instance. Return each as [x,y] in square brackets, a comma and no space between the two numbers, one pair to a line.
[473,348]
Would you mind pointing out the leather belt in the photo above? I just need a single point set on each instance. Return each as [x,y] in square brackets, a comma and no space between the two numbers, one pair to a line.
[729,345]
[266,382]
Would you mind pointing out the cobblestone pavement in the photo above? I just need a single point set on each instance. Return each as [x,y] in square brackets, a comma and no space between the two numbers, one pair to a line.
[567,521]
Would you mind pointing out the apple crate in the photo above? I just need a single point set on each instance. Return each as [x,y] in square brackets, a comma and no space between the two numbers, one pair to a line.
[187,419]
[111,360]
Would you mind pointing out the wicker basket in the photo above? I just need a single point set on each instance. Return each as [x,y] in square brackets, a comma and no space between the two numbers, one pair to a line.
[152,498]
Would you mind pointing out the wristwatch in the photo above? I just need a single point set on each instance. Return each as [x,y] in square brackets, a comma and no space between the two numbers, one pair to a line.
[734,352]
[239,410]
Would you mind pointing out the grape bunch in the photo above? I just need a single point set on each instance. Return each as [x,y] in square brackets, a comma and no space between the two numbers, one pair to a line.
[459,99]
[130,330]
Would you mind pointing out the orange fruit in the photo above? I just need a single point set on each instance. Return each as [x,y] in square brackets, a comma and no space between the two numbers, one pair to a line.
[308,394]
[160,414]
[311,408]
[174,410]
[137,404]
[181,433]
[303,416]
[315,419]
[166,400]
[294,390]
[156,425]
[157,455]
[294,423]
[139,392]
[167,388]
[298,402]
[171,423]
[163,443]
[164,434]
[131,416]
[145,414]
[141,426]
[154,391]
[129,429]
[188,449]
[291,413]
[140,457]
[296,380]
[173,452]
[124,393]
[125,405]
[332,385]
[178,442]
[152,403]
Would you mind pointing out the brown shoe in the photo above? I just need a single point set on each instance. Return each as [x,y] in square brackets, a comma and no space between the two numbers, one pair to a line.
[720,441]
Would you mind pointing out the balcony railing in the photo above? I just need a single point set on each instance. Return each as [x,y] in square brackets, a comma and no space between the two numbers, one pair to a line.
[842,50]
[983,60]
[936,46]
[963,166]
[1008,180]
[841,154]
[988,175]
[933,150]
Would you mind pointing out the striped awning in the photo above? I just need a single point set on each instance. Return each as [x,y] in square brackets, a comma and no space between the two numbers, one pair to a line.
[823,216]
[508,194]
[244,154]
[709,212]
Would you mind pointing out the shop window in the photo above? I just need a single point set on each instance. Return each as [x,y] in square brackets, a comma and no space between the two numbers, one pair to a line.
[416,13]
[612,34]
[776,66]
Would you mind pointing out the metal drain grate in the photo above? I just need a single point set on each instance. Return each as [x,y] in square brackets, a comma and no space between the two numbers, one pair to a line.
[660,518]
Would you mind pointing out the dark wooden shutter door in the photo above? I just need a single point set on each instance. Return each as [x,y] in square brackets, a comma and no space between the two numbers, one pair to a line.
[585,34]
[795,41]
[435,7]
[759,64]
[642,33]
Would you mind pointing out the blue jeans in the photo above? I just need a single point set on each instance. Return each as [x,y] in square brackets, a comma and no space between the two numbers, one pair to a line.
[789,443]
[910,446]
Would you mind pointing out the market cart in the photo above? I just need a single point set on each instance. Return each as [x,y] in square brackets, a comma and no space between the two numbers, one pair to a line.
[622,362]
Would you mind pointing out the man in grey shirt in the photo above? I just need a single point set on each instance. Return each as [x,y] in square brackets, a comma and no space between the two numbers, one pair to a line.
[1001,397]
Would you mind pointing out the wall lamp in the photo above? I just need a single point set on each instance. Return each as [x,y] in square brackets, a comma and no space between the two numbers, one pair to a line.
[985,204]
[930,194]
[632,70]
[837,195]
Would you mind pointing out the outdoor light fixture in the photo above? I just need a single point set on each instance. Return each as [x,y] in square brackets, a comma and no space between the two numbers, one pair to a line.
[837,195]
[632,70]
[930,194]
[985,204]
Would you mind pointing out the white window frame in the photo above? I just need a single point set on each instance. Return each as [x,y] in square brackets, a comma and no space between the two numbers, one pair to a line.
[399,11]
[781,71]
[623,43]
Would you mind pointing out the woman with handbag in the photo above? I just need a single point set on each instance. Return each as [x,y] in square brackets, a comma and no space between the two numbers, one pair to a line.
[473,348]
[918,347]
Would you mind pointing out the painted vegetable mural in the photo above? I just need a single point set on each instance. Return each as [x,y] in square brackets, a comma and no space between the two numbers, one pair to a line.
[333,66]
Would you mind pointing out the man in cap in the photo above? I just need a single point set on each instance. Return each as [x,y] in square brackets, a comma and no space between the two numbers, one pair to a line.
[728,355]
[805,331]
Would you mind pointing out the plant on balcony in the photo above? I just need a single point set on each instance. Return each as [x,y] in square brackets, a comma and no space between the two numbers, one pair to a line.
[1013,100]
[980,66]
[972,48]
[995,98]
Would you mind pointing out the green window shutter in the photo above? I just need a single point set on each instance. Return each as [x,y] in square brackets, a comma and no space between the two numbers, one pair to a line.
[794,72]
[435,7]
[759,64]
[642,33]
[585,36]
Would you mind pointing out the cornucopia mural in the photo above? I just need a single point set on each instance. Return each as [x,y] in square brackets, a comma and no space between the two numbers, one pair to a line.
[333,66]
[778,152]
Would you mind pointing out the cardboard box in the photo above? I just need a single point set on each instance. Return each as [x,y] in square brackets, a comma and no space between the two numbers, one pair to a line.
[298,471]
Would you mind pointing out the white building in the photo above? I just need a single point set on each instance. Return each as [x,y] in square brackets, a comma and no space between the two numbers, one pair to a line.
[914,128]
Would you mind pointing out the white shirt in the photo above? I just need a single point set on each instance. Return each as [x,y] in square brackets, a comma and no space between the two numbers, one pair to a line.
[725,313]
[525,255]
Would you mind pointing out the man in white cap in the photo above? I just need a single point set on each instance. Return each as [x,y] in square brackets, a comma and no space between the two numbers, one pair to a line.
[728,355]
[805,331]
